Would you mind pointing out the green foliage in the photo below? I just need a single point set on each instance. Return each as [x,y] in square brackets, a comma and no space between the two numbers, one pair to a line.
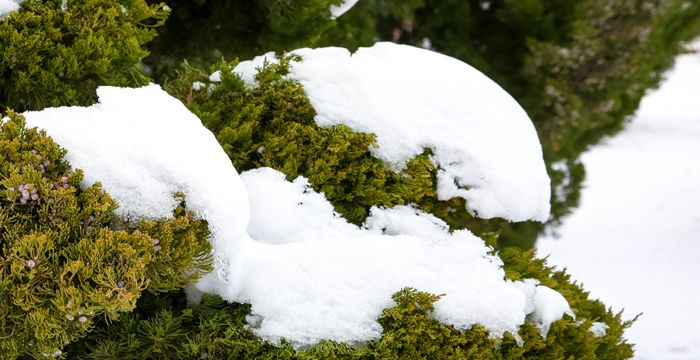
[56,57]
[201,31]
[66,259]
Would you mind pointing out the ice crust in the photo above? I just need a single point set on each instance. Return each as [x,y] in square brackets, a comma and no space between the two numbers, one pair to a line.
[308,273]
[482,140]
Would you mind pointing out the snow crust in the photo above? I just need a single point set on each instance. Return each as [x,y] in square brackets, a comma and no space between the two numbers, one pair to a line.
[337,10]
[8,6]
[310,275]
[143,146]
[484,143]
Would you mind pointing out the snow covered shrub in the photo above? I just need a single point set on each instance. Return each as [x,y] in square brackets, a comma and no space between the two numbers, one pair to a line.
[55,53]
[66,259]
[579,68]
[204,30]
[272,124]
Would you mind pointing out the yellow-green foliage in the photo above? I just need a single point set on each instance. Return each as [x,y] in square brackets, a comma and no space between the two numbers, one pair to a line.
[50,56]
[65,258]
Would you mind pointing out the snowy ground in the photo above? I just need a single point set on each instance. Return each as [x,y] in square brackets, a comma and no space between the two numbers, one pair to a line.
[635,240]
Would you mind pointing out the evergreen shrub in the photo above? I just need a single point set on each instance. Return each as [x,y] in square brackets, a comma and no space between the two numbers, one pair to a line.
[66,259]
[55,54]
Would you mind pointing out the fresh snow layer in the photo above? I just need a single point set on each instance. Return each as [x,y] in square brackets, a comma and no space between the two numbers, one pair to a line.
[484,143]
[634,240]
[8,6]
[144,146]
[310,275]
[337,10]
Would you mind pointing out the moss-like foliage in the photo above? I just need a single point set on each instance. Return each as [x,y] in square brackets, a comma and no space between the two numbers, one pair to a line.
[54,55]
[202,31]
[66,259]
[217,330]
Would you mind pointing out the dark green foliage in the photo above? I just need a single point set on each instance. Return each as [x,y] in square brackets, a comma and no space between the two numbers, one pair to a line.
[217,330]
[201,31]
[66,259]
[55,57]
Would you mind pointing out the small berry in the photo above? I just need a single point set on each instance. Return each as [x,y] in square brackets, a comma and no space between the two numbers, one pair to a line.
[31,263]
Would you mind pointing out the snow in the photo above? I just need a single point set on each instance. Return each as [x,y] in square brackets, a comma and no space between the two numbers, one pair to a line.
[634,240]
[413,99]
[143,146]
[337,10]
[549,306]
[599,329]
[8,6]
[310,275]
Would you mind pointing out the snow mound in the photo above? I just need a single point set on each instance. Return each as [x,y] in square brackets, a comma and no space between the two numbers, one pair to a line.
[310,275]
[143,146]
[337,10]
[8,6]
[483,142]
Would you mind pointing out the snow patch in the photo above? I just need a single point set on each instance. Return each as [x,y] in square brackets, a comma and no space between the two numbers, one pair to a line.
[483,142]
[549,306]
[599,329]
